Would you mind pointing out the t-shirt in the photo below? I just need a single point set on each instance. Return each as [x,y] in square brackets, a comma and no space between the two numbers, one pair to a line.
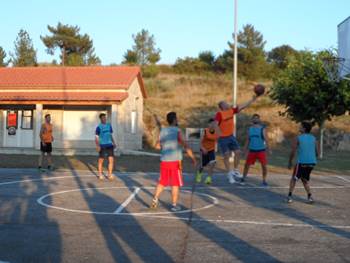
[225,121]
[171,150]
[306,149]
[104,133]
[209,140]
[256,138]
[46,134]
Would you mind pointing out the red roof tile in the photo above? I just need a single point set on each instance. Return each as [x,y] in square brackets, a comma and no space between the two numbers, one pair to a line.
[105,77]
[63,96]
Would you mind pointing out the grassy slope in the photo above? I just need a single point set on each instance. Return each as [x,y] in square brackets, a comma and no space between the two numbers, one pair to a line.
[194,98]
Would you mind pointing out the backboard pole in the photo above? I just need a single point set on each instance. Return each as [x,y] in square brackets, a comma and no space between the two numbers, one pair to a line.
[234,95]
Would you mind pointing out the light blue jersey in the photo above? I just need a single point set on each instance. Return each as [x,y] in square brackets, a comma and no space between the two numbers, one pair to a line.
[171,150]
[256,139]
[306,149]
[104,133]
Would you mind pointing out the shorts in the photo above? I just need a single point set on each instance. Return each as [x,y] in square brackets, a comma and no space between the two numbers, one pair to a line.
[253,156]
[303,171]
[171,173]
[208,158]
[47,148]
[106,152]
[228,144]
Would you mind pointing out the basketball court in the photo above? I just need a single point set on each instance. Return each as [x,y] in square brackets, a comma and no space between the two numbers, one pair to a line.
[70,216]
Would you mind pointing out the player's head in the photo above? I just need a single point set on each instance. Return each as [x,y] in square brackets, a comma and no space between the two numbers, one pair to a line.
[103,117]
[211,123]
[171,118]
[305,127]
[255,118]
[47,117]
[223,105]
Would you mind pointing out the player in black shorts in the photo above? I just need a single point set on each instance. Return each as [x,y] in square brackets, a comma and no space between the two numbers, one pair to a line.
[306,147]
[208,143]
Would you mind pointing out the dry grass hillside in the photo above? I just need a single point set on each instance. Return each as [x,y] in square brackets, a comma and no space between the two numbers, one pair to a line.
[195,100]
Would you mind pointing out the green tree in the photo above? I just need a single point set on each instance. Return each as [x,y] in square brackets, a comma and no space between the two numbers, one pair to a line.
[207,57]
[144,52]
[3,62]
[190,65]
[306,91]
[280,56]
[250,52]
[76,49]
[25,54]
[251,55]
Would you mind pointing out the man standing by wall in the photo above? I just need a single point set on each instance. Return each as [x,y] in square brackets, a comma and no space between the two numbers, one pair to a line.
[46,139]
[105,145]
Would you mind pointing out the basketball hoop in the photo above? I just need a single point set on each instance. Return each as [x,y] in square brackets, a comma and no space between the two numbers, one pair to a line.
[333,67]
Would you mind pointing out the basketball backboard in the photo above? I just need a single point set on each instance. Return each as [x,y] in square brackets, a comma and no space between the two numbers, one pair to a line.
[344,47]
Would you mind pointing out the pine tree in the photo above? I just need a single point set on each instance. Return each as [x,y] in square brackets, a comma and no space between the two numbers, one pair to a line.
[76,49]
[25,54]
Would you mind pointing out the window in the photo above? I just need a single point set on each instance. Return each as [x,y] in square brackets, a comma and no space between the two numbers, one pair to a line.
[27,120]
[133,121]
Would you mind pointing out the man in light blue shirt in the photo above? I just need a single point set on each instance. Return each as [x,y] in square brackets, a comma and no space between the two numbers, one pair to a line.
[105,145]
[306,147]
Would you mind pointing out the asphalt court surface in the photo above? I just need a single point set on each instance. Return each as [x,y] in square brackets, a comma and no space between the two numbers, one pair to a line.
[70,216]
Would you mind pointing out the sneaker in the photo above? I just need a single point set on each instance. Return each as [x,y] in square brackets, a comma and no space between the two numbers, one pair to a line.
[241,181]
[198,177]
[110,177]
[289,200]
[237,174]
[100,177]
[50,168]
[208,180]
[265,184]
[310,200]
[175,208]
[154,203]
[42,170]
[231,178]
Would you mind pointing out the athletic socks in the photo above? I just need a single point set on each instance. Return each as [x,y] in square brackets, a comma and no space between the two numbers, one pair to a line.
[290,194]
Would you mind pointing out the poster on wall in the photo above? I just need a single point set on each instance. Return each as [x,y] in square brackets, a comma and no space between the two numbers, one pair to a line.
[12,121]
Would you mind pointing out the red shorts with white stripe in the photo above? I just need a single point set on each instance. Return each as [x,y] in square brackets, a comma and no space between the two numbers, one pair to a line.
[253,156]
[171,174]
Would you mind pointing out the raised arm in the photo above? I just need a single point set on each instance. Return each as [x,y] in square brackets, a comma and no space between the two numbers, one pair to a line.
[246,104]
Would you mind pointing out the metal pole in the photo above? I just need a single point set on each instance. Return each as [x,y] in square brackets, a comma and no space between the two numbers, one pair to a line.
[235,67]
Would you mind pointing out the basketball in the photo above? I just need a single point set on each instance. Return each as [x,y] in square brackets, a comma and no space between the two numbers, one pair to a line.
[259,89]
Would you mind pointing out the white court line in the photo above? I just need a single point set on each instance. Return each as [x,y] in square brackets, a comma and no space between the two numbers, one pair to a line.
[158,215]
[234,186]
[344,179]
[127,201]
[247,222]
[40,201]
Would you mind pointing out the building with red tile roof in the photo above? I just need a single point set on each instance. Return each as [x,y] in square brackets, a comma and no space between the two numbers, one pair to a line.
[74,97]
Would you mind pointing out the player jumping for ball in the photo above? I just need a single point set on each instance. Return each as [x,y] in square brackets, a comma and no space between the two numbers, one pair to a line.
[171,143]
[227,141]
[306,147]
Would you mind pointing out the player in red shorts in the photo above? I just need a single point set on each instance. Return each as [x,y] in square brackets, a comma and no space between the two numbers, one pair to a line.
[257,144]
[171,144]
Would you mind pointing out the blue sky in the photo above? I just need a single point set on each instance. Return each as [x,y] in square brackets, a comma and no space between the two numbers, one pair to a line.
[181,27]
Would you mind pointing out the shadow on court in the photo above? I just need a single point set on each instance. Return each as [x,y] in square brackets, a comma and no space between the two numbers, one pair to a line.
[123,232]
[286,210]
[22,237]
